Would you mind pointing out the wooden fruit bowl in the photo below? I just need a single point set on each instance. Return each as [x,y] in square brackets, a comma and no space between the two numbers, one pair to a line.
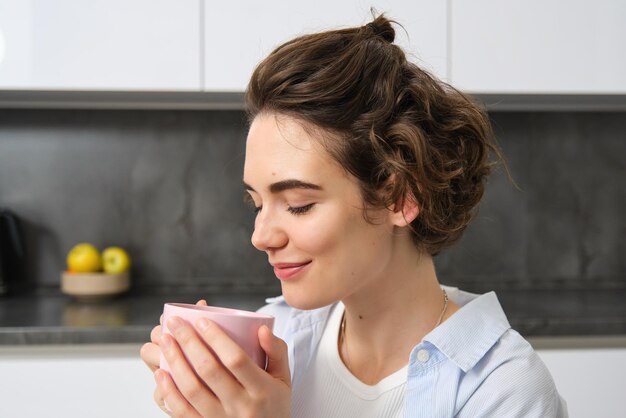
[90,286]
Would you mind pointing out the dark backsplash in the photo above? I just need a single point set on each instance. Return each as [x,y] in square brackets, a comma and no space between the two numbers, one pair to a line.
[166,185]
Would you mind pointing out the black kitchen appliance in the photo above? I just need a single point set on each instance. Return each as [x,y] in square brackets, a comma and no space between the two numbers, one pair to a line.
[11,251]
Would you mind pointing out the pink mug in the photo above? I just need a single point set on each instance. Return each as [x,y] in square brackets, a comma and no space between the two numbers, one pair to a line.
[241,326]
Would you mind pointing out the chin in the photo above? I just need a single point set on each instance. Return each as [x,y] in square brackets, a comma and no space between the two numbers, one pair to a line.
[303,300]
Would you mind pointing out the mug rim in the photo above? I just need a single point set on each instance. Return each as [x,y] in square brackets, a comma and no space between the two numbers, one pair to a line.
[218,310]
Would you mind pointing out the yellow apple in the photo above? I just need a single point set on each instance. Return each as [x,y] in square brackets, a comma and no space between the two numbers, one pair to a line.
[115,260]
[84,258]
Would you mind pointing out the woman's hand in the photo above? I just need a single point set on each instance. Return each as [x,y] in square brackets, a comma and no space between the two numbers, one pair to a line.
[150,352]
[211,376]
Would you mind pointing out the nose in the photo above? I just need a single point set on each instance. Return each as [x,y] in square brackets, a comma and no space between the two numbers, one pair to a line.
[268,233]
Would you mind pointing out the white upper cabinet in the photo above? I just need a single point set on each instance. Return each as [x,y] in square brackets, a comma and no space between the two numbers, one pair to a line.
[501,47]
[100,45]
[239,34]
[539,46]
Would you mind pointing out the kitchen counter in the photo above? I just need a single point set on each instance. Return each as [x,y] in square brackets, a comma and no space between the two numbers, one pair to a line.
[53,318]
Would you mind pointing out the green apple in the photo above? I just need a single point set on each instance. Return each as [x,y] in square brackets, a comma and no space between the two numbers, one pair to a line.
[115,260]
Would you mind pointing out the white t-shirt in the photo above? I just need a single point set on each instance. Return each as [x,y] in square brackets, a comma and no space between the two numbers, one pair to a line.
[332,391]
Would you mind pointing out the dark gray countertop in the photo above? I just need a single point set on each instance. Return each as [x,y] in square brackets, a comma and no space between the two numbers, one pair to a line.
[54,318]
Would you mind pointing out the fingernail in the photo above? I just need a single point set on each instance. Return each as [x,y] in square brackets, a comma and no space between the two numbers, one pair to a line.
[203,324]
[174,323]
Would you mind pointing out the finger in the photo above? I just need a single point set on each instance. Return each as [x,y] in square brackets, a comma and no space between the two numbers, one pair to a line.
[158,399]
[205,364]
[188,383]
[277,355]
[161,320]
[155,335]
[151,355]
[173,401]
[201,302]
[232,356]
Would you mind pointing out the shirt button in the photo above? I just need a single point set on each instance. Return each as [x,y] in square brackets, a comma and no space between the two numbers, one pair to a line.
[423,356]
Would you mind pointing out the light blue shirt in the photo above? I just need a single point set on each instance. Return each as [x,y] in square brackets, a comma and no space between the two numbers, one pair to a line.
[472,365]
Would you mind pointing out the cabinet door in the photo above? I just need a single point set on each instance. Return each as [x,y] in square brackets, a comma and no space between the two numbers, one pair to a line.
[76,381]
[538,46]
[100,44]
[240,34]
[590,380]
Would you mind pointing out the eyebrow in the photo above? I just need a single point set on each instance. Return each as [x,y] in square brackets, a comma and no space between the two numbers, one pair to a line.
[283,185]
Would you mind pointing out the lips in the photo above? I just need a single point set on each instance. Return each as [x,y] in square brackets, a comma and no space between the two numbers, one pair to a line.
[287,271]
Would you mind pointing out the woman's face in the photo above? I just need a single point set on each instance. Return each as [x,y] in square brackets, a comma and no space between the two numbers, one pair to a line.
[309,216]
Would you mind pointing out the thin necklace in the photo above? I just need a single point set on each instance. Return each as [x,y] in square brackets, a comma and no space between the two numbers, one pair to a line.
[342,334]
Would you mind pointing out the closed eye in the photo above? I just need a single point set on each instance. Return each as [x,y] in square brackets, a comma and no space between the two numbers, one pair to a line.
[301,210]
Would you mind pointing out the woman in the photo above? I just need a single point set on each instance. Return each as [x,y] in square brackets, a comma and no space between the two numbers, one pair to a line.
[361,167]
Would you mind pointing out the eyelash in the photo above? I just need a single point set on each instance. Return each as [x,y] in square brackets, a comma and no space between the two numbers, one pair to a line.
[294,211]
[300,210]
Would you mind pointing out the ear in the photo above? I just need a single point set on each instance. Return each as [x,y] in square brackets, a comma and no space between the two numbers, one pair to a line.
[405,212]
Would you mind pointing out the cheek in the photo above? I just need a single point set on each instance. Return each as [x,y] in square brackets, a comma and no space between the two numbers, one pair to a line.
[315,235]
[340,234]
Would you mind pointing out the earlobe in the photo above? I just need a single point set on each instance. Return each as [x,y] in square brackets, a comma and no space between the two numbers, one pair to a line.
[405,212]
[406,208]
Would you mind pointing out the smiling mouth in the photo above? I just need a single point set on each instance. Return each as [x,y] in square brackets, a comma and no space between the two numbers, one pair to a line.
[287,271]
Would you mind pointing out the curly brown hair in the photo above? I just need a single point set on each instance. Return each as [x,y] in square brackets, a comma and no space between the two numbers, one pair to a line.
[400,131]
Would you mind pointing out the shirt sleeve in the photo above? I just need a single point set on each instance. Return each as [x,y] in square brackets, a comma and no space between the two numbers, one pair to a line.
[521,386]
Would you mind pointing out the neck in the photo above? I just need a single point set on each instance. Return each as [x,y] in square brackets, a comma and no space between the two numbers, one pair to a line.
[409,302]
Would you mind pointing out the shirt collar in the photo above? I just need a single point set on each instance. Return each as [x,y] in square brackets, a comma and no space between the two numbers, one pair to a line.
[467,335]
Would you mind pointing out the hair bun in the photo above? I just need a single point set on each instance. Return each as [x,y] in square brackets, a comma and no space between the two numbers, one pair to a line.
[381,27]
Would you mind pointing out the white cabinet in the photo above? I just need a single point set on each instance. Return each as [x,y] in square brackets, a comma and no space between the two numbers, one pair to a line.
[76,382]
[539,46]
[102,381]
[100,45]
[240,34]
[198,52]
[590,380]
